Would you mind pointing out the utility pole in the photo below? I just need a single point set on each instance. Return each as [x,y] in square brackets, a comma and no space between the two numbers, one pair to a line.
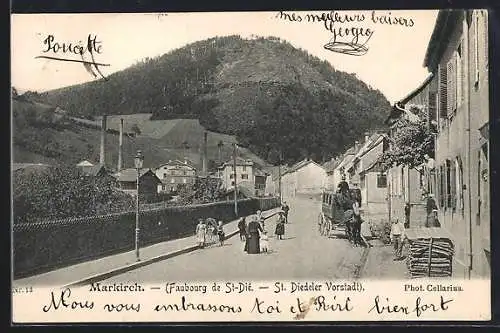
[279,175]
[235,184]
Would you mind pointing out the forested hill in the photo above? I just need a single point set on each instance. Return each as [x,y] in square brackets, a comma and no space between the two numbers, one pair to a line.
[263,90]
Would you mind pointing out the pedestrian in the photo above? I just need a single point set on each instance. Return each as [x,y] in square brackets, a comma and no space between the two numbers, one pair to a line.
[220,233]
[264,242]
[242,226]
[280,226]
[285,209]
[397,236]
[254,229]
[201,233]
[432,220]
[261,220]
[407,215]
[357,224]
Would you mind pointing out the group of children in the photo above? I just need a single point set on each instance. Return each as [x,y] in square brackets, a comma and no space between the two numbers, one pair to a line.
[204,228]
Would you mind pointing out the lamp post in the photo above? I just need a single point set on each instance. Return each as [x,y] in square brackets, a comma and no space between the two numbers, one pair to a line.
[138,162]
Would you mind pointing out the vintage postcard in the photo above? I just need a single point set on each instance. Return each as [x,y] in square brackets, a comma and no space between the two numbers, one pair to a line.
[250,166]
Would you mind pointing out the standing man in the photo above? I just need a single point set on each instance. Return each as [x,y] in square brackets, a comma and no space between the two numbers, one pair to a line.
[285,209]
[397,234]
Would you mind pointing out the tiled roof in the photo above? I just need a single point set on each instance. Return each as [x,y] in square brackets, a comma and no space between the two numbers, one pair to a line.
[92,170]
[29,166]
[178,163]
[130,175]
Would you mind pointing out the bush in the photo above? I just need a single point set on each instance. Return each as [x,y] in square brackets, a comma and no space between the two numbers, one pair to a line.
[64,191]
[382,230]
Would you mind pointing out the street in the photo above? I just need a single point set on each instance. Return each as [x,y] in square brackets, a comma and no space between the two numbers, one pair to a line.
[302,254]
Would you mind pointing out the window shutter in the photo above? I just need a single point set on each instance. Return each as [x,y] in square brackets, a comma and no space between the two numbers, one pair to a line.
[442,91]
[484,36]
[451,86]
[432,106]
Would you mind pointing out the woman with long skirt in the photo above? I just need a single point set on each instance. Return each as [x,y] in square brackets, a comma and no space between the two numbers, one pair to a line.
[201,233]
[253,239]
[280,226]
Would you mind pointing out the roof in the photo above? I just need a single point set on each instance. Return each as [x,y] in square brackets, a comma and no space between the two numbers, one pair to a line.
[29,166]
[178,163]
[85,163]
[446,21]
[398,108]
[130,175]
[374,140]
[301,164]
[331,164]
[259,172]
[239,161]
[93,170]
[242,190]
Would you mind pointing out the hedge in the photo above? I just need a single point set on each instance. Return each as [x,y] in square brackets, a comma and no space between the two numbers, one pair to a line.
[45,246]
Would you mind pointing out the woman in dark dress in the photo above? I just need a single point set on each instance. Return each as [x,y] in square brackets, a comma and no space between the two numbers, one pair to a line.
[280,226]
[253,236]
[242,227]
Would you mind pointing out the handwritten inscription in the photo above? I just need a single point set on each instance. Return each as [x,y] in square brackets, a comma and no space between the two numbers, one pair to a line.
[386,306]
[297,307]
[349,36]
[58,51]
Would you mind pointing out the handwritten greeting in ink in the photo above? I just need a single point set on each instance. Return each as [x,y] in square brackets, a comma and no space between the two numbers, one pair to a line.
[66,51]
[350,34]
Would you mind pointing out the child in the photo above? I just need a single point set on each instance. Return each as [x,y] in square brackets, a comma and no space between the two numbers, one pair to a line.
[220,232]
[264,242]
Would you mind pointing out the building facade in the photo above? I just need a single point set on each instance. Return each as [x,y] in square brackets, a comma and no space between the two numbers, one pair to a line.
[457,55]
[174,174]
[248,175]
[305,177]
[126,181]
[364,172]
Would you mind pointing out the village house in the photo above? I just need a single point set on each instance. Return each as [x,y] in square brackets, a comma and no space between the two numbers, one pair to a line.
[408,185]
[126,181]
[175,173]
[305,177]
[457,55]
[248,175]
[335,177]
[364,171]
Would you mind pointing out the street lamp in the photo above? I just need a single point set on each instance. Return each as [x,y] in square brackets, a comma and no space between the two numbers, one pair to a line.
[138,161]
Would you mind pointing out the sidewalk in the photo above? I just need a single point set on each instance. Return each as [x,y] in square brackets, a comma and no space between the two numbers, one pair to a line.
[380,265]
[103,268]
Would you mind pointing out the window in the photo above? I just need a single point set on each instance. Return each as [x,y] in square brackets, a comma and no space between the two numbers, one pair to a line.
[231,176]
[244,176]
[164,175]
[184,172]
[381,180]
[232,183]
[453,186]
[362,180]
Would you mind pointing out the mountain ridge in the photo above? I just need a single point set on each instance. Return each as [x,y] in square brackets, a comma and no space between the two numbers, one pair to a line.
[236,86]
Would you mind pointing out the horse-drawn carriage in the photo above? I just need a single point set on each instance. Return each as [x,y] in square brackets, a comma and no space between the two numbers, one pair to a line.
[337,215]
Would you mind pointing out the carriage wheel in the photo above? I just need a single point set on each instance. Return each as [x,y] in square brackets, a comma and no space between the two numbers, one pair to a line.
[320,223]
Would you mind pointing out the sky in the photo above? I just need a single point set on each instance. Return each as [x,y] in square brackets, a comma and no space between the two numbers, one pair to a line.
[392,64]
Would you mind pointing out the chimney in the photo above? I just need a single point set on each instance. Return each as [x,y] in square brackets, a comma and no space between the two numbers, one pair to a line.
[120,146]
[103,140]
[356,145]
[205,153]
